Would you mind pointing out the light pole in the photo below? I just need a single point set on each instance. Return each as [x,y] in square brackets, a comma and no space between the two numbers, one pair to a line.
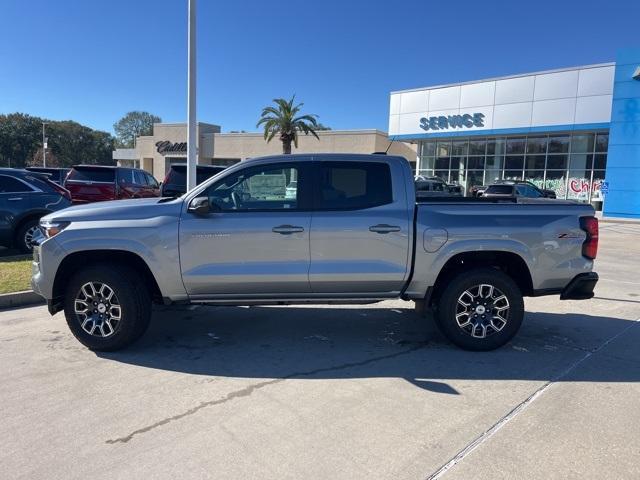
[192,153]
[44,146]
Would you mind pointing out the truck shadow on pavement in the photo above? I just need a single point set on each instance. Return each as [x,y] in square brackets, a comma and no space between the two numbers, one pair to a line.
[353,342]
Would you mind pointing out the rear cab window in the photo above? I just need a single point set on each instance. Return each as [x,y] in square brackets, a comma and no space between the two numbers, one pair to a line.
[92,174]
[352,185]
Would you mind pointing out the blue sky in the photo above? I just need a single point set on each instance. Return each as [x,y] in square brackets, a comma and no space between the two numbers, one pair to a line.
[94,60]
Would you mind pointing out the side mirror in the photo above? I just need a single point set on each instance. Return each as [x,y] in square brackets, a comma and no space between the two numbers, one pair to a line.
[199,206]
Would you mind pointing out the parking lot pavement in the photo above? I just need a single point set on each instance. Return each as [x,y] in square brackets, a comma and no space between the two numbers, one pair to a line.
[337,392]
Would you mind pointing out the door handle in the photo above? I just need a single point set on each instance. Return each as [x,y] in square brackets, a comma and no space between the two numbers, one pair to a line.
[384,228]
[287,229]
[14,199]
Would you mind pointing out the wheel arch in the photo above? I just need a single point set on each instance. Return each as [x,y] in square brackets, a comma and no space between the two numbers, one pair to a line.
[509,263]
[74,261]
[23,219]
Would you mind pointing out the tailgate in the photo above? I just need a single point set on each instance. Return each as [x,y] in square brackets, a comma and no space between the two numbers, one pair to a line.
[82,192]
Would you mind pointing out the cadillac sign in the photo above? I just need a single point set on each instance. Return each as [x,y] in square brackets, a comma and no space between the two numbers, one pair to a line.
[443,122]
[165,147]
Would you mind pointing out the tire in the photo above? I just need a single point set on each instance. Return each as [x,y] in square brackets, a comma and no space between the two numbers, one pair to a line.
[486,291]
[23,235]
[111,322]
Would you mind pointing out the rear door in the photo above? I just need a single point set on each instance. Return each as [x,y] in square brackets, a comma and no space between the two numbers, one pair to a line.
[360,228]
[255,242]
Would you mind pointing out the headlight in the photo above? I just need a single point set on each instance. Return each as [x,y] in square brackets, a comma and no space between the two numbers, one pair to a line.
[51,229]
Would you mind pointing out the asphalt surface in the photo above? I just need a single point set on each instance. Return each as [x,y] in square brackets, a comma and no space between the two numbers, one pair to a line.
[338,392]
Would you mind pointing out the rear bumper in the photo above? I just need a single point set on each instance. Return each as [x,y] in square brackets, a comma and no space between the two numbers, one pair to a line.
[581,287]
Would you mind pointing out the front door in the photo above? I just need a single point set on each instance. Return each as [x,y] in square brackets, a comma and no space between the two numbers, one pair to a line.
[359,230]
[15,199]
[255,240]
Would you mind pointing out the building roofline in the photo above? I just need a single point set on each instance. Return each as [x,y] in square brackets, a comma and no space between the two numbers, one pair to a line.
[493,79]
[363,131]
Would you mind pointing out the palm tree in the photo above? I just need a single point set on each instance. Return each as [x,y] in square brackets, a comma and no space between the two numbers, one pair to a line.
[283,119]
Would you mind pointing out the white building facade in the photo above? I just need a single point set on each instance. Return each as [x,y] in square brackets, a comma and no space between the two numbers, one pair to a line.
[551,128]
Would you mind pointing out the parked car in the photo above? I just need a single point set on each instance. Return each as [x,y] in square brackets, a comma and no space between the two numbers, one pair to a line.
[431,188]
[512,190]
[448,188]
[175,182]
[479,190]
[353,232]
[98,183]
[24,198]
[56,175]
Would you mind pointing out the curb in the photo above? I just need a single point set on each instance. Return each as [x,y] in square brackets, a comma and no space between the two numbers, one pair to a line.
[20,299]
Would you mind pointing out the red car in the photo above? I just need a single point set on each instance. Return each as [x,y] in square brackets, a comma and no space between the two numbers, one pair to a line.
[96,183]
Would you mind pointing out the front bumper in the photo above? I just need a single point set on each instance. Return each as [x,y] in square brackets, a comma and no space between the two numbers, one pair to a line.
[581,287]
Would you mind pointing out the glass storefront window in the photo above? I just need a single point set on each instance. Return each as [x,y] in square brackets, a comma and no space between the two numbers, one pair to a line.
[559,144]
[602,142]
[535,176]
[570,164]
[477,147]
[494,166]
[442,164]
[496,146]
[443,149]
[475,163]
[514,162]
[582,143]
[580,161]
[599,161]
[515,145]
[556,180]
[535,162]
[428,149]
[557,162]
[537,145]
[598,177]
[459,147]
[458,163]
[427,163]
[513,174]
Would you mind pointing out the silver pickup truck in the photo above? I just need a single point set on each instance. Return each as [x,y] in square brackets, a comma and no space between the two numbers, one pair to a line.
[324,228]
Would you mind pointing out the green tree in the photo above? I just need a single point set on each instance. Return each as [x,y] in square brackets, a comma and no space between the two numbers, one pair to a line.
[284,120]
[132,125]
[322,127]
[69,143]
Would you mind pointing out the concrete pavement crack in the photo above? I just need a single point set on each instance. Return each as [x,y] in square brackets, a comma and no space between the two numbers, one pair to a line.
[247,391]
[487,434]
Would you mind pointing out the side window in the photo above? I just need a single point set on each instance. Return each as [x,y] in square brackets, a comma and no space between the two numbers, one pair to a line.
[534,193]
[353,185]
[139,178]
[151,180]
[521,190]
[268,187]
[12,185]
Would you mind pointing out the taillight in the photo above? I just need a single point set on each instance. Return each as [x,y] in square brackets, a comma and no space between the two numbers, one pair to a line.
[590,245]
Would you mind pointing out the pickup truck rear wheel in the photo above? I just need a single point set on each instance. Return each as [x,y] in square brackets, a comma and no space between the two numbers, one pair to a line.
[481,309]
[107,307]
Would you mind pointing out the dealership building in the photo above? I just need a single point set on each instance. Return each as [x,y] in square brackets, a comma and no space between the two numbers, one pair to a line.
[573,130]
[168,145]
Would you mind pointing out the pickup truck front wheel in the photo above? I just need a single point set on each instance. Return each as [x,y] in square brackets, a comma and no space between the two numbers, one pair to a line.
[107,307]
[481,309]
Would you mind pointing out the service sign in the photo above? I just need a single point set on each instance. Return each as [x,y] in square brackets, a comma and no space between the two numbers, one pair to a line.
[452,122]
